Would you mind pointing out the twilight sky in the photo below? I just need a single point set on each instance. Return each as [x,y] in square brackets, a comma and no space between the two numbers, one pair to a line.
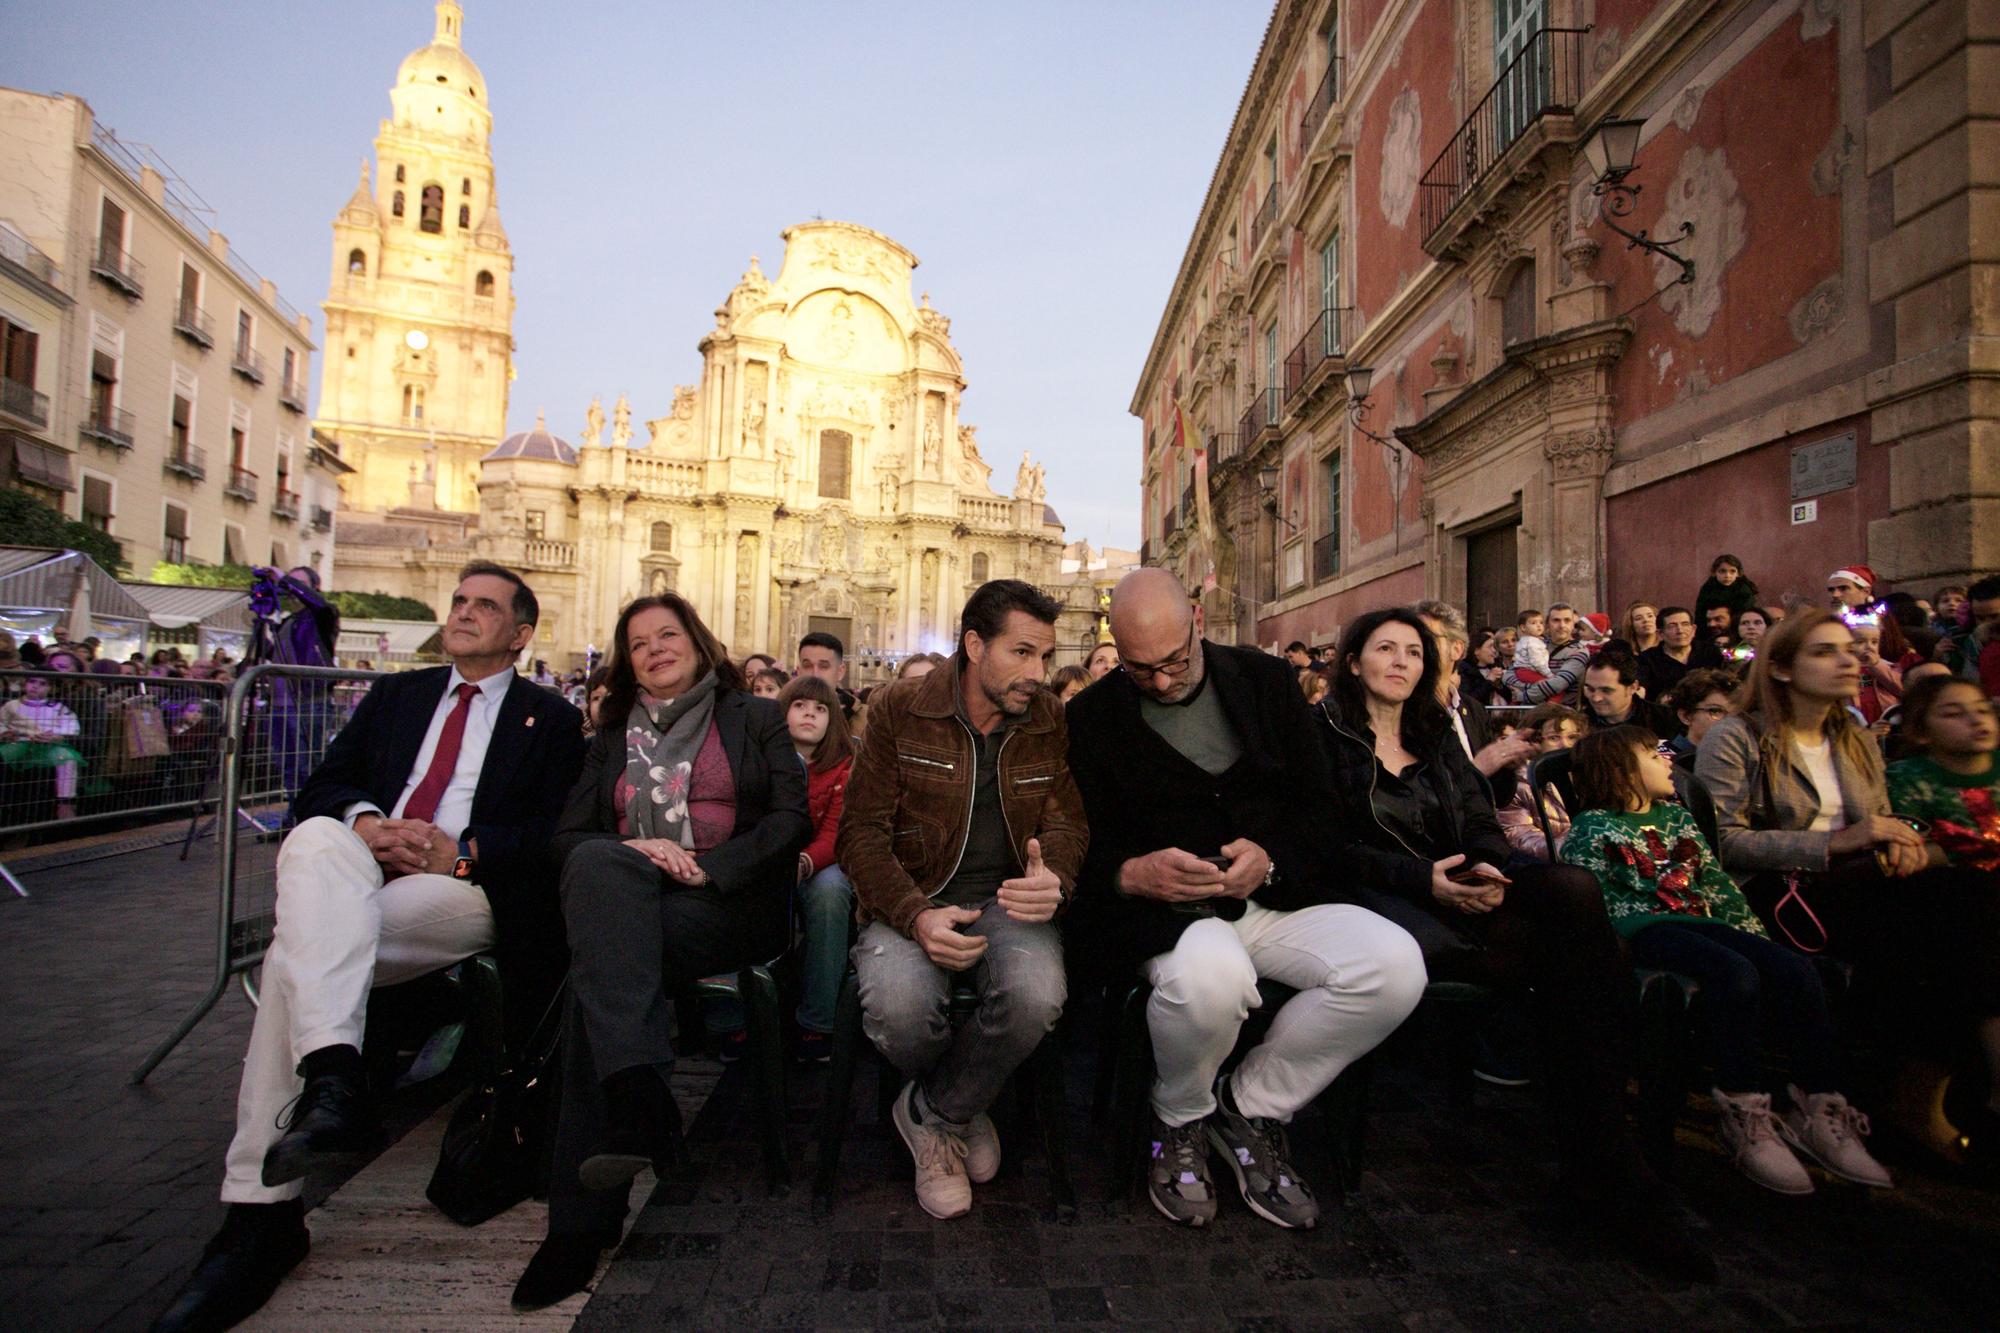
[1044,160]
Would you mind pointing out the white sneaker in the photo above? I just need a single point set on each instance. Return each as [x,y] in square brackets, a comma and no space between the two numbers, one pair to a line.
[982,1149]
[1829,1130]
[1756,1146]
[942,1189]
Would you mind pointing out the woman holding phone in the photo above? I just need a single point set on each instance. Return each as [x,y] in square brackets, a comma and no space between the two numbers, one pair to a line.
[1430,853]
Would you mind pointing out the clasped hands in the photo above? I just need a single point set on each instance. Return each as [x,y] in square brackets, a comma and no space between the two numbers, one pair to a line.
[1031,898]
[676,860]
[1171,875]
[407,846]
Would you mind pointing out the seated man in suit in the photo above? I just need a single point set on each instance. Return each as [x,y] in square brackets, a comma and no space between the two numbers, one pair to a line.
[422,838]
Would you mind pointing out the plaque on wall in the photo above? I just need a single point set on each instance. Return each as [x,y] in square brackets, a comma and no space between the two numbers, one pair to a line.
[1823,466]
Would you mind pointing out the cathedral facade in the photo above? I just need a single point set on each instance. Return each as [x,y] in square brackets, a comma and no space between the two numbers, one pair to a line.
[816,476]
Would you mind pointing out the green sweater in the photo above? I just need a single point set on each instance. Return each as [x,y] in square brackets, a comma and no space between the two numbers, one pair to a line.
[1963,812]
[1656,868]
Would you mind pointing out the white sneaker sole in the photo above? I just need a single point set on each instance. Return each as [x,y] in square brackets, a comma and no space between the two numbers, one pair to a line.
[1221,1146]
[905,1129]
[1199,1220]
[1802,1150]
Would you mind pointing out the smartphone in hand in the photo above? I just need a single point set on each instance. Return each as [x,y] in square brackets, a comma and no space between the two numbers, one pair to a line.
[1219,862]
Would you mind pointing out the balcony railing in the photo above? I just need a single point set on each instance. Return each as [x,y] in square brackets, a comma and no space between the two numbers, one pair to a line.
[1321,344]
[118,268]
[242,484]
[1547,77]
[1322,102]
[21,402]
[1170,524]
[322,518]
[192,323]
[17,252]
[1326,556]
[284,504]
[1188,512]
[108,426]
[1266,214]
[292,394]
[247,363]
[1224,446]
[186,460]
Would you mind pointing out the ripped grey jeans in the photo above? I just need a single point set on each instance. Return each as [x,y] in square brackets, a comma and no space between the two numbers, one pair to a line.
[903,997]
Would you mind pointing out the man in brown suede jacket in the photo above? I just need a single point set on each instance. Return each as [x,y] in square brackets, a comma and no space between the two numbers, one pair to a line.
[963,834]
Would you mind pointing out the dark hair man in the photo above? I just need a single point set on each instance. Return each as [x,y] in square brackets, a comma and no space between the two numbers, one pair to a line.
[1298,654]
[963,835]
[1567,656]
[1611,696]
[1195,762]
[1677,653]
[824,655]
[421,839]
[1490,754]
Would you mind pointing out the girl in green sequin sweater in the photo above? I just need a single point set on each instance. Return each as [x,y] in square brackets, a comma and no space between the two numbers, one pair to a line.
[1667,894]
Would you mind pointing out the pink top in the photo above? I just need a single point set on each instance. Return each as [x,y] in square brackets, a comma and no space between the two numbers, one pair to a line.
[711,796]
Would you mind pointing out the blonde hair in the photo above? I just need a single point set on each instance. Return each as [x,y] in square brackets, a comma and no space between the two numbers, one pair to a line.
[1766,701]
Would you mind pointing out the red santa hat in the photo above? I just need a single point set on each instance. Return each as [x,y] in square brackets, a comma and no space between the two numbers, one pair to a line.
[1856,574]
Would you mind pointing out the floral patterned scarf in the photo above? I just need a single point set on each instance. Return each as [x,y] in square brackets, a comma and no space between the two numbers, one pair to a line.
[661,742]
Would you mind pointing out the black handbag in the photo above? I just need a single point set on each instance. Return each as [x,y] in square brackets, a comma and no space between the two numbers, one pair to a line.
[496,1144]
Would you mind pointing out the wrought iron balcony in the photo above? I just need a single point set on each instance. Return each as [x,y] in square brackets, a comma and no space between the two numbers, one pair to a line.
[1266,214]
[118,268]
[247,363]
[1323,101]
[1169,524]
[1310,358]
[284,504]
[108,426]
[1224,447]
[292,394]
[1259,417]
[18,256]
[186,460]
[1326,556]
[1188,512]
[242,484]
[322,518]
[192,323]
[1545,78]
[23,404]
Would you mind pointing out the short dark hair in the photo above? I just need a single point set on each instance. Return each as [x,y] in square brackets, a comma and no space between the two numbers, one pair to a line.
[768,661]
[1612,659]
[1724,559]
[776,675]
[622,685]
[527,611]
[1985,590]
[1922,699]
[1606,768]
[1667,611]
[1297,646]
[986,611]
[1522,618]
[819,638]
[1691,689]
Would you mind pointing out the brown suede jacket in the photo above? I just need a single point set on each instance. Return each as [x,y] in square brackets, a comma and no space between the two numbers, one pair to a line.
[909,799]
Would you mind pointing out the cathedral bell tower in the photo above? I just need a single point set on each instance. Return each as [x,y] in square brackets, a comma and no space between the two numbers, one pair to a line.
[420,302]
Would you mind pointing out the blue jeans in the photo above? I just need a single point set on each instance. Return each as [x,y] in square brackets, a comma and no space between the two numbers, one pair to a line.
[1753,992]
[826,917]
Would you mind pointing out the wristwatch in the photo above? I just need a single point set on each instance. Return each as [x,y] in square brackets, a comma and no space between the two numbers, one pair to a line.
[462,867]
[1270,874]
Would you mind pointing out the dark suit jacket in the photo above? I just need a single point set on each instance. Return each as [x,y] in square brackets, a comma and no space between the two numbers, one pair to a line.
[758,865]
[531,761]
[1141,795]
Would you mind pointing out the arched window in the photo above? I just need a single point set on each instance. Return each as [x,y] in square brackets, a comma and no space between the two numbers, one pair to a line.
[399,175]
[662,538]
[1517,306]
[979,567]
[464,216]
[483,284]
[465,186]
[396,204]
[357,263]
[833,450]
[432,218]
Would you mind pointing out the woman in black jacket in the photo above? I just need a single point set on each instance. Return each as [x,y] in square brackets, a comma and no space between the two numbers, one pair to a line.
[1430,854]
[679,847]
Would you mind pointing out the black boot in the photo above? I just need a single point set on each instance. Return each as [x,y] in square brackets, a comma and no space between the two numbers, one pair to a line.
[259,1243]
[642,1128]
[331,1122]
[562,1267]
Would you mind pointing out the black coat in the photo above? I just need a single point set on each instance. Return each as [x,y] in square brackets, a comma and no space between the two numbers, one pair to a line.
[1394,880]
[533,757]
[1140,795]
[758,864]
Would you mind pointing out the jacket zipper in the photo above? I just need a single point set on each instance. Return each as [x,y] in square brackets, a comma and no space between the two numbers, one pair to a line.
[928,763]
[1342,732]
[971,798]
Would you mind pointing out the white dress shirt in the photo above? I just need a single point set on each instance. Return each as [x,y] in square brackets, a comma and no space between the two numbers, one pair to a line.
[454,810]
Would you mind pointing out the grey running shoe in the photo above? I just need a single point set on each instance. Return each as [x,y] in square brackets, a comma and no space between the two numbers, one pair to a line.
[1254,1147]
[1178,1180]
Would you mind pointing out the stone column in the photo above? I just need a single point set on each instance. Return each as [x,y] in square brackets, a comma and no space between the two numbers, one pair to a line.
[1575,544]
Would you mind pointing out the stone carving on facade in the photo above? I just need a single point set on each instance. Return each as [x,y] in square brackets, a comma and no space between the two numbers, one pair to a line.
[1024,478]
[1580,453]
[927,588]
[1687,107]
[1818,312]
[746,584]
[1402,158]
[1819,19]
[1703,188]
[889,484]
[593,422]
[1830,168]
[931,319]
[621,423]
[684,395]
[1579,387]
[1484,434]
[934,440]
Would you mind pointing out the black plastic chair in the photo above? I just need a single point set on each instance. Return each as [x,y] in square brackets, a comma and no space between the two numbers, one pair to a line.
[1038,1082]
[765,1054]
[1554,769]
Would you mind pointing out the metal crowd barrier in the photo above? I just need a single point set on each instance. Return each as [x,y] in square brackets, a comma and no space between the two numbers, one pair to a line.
[280,719]
[83,750]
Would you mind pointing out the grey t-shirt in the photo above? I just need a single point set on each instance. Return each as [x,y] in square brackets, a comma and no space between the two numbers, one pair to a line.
[1198,728]
[989,856]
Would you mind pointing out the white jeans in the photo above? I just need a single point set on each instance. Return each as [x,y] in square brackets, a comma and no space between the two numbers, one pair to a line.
[1358,976]
[340,931]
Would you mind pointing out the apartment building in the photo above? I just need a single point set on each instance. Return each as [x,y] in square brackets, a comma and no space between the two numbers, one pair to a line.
[160,382]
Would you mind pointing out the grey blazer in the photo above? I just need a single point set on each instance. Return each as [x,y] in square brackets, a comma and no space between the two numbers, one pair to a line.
[1767,824]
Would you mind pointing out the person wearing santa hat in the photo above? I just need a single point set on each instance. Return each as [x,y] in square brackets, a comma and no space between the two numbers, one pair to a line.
[1850,587]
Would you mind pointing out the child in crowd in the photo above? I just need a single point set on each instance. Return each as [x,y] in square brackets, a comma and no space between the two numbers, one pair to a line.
[1068,682]
[1555,727]
[1531,650]
[826,898]
[37,732]
[1952,781]
[1669,897]
[769,683]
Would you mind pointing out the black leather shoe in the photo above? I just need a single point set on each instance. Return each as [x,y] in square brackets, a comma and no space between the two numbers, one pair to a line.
[642,1128]
[242,1266]
[562,1267]
[331,1122]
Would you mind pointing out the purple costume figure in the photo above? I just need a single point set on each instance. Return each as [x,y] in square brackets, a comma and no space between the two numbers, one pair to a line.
[299,708]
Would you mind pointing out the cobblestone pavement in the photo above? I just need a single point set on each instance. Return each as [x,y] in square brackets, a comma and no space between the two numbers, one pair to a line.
[107,1193]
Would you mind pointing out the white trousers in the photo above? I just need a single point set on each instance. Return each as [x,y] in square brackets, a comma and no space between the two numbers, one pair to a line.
[340,931]
[1358,976]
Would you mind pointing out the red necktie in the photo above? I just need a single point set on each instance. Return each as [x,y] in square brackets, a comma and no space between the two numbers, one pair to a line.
[423,802]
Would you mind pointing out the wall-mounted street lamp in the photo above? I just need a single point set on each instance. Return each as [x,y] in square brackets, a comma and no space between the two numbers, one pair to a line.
[1267,487]
[1360,380]
[1612,152]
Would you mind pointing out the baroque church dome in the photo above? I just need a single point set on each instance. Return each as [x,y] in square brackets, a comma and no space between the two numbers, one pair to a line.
[444,62]
[537,444]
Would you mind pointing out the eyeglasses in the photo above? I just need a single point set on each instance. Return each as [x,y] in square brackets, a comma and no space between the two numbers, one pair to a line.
[1711,711]
[1142,673]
